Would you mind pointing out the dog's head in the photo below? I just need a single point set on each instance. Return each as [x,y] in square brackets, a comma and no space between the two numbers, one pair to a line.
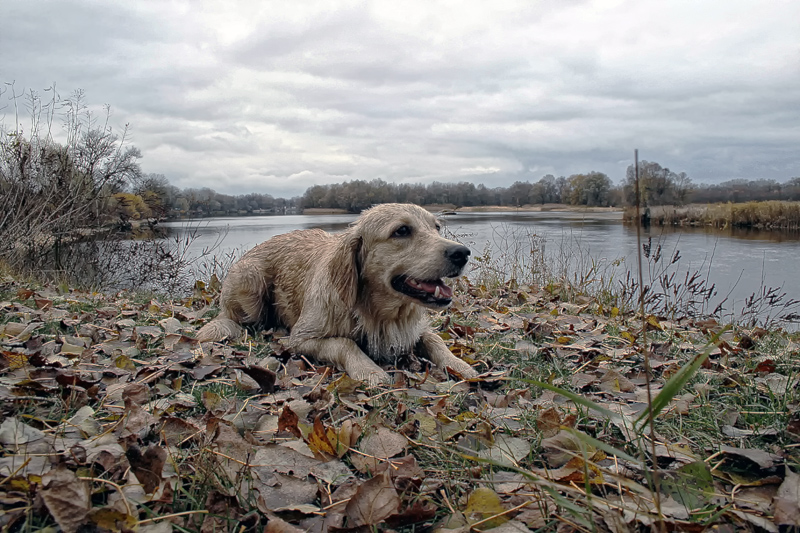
[399,255]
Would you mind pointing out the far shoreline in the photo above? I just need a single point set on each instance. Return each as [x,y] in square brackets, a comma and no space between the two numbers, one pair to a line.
[452,209]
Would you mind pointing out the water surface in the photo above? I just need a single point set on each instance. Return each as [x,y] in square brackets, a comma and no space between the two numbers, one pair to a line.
[739,263]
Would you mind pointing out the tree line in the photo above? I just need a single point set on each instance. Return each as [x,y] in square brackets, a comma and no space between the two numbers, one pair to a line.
[152,195]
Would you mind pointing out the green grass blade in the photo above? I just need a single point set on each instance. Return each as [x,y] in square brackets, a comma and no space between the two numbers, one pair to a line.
[676,384]
[572,396]
[591,441]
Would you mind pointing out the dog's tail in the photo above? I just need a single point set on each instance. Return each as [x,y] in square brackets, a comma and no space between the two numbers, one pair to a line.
[219,329]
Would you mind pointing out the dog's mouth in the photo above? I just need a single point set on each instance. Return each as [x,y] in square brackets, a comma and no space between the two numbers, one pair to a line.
[432,292]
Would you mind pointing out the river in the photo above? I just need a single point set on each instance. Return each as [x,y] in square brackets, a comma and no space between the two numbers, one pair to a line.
[737,263]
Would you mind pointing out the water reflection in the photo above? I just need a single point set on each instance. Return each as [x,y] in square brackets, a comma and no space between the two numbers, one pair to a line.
[791,236]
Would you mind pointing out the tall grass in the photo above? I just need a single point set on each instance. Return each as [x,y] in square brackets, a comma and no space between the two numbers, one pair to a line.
[566,267]
[771,214]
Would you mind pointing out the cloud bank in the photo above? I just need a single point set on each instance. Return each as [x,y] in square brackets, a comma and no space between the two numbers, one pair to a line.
[275,97]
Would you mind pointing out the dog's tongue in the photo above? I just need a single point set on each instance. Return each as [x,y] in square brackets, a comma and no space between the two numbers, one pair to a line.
[430,287]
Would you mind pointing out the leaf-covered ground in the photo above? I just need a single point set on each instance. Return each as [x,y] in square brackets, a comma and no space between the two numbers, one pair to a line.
[115,418]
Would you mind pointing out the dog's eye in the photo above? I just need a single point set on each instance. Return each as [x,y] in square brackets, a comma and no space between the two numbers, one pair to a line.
[439,228]
[402,231]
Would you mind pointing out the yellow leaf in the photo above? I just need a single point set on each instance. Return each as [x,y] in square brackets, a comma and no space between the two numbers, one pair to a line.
[482,504]
[112,520]
[319,439]
[614,312]
[628,336]
[344,385]
[427,424]
[653,321]
[124,362]
[443,418]
[554,312]
[20,483]
[563,340]
[16,360]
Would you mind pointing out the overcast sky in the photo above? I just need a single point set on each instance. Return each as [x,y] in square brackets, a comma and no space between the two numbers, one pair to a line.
[273,97]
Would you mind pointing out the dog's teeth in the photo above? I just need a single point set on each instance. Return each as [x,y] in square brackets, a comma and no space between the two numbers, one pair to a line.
[414,283]
[437,293]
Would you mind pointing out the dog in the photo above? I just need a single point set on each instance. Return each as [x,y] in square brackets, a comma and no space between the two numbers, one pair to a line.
[356,299]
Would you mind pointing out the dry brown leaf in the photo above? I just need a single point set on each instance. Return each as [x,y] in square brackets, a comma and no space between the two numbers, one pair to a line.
[276,525]
[508,451]
[13,432]
[263,376]
[336,502]
[280,492]
[221,509]
[374,501]
[613,381]
[67,498]
[787,501]
[147,466]
[559,449]
[549,422]
[384,443]
[137,421]
[137,393]
[288,421]
[347,437]
[177,430]
[216,404]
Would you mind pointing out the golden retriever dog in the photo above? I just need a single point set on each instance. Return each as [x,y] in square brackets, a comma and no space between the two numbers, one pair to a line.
[356,299]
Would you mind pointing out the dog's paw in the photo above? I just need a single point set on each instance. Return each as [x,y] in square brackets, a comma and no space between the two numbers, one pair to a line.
[462,368]
[220,329]
[371,374]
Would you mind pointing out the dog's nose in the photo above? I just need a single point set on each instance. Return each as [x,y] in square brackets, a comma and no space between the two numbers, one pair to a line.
[458,255]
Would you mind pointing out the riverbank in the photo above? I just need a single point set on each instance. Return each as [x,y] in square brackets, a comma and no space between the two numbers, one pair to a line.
[161,430]
[758,215]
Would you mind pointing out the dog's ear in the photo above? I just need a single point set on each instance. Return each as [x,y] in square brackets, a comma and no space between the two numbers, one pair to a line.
[345,268]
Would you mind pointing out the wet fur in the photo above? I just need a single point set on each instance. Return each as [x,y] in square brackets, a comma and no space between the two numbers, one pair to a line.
[334,292]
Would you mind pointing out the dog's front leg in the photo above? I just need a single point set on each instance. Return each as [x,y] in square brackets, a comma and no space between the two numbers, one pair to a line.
[346,355]
[437,352]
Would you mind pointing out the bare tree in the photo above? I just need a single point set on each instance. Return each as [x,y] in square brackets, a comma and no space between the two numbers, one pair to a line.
[52,193]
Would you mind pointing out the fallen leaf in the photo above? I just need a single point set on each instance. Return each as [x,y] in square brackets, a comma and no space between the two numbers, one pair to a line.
[549,422]
[13,432]
[507,451]
[67,498]
[383,443]
[319,439]
[787,501]
[147,467]
[484,503]
[263,376]
[288,421]
[374,501]
[113,520]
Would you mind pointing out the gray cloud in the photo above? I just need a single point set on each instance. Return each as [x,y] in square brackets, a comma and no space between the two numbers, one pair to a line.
[273,97]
